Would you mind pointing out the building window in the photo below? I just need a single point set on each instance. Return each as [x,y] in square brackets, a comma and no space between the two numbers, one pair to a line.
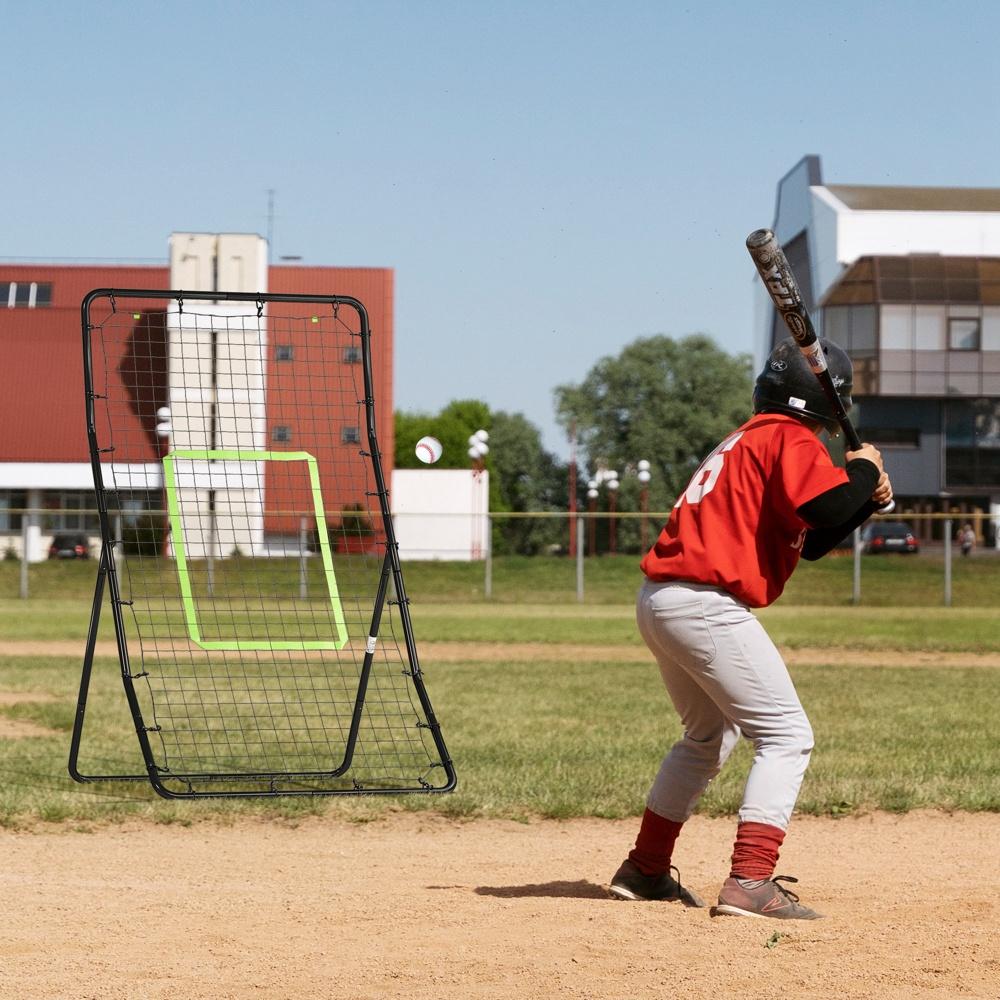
[972,442]
[72,510]
[897,328]
[963,334]
[352,355]
[891,437]
[135,509]
[11,500]
[283,352]
[928,328]
[350,435]
[25,294]
[281,434]
[853,328]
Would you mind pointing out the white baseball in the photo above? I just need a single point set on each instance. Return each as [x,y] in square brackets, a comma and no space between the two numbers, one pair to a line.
[429,450]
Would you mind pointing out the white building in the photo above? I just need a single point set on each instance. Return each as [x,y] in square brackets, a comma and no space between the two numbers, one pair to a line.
[441,513]
[907,280]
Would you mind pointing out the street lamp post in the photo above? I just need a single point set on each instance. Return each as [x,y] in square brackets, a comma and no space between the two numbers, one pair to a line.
[612,485]
[574,541]
[592,520]
[478,450]
[643,475]
[164,428]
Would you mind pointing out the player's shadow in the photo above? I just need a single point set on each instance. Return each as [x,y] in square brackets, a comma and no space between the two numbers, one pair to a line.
[580,889]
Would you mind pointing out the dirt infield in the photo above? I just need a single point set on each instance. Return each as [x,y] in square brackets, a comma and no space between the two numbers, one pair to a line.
[414,906]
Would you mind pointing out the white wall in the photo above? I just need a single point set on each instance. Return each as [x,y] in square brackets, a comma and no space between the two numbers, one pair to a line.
[228,262]
[440,513]
[824,248]
[842,235]
[46,475]
[948,233]
[225,262]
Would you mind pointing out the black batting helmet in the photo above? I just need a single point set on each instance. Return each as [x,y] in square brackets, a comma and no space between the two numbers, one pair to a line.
[787,383]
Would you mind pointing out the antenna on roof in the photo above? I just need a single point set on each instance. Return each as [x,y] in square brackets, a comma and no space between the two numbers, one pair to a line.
[270,222]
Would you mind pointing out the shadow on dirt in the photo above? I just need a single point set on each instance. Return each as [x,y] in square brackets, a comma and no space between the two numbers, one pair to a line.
[581,889]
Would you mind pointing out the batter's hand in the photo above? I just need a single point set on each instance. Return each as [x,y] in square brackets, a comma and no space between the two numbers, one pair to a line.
[883,490]
[870,452]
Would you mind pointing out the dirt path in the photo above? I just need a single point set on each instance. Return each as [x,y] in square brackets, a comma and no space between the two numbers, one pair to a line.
[413,906]
[451,652]
[20,729]
[17,729]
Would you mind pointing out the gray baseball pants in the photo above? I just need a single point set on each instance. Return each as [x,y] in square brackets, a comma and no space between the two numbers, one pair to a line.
[726,678]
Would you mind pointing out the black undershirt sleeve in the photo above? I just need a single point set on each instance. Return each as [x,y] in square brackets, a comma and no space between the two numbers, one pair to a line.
[833,515]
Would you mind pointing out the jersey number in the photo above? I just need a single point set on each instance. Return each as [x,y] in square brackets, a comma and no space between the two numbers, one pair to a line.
[704,480]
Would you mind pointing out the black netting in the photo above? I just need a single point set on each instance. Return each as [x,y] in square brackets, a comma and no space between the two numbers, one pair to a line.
[249,557]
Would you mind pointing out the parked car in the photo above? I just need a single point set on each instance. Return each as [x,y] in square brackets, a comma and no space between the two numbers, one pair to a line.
[889,536]
[70,546]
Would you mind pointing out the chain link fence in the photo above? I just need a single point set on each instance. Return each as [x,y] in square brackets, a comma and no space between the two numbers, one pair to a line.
[583,538]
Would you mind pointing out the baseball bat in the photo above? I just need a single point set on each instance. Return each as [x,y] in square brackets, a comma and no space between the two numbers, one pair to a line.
[772,266]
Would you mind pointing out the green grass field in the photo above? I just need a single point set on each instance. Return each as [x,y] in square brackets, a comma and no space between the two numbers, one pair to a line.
[542,736]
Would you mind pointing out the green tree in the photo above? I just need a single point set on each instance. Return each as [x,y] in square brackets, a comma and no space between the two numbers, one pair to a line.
[452,427]
[529,479]
[523,476]
[664,400]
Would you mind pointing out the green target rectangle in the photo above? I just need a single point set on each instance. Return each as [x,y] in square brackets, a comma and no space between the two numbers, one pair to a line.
[177,533]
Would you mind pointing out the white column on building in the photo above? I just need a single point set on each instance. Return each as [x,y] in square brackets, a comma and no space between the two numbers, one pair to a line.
[217,375]
[33,535]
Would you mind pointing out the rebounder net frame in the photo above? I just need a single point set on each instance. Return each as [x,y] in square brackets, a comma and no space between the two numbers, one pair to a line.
[264,638]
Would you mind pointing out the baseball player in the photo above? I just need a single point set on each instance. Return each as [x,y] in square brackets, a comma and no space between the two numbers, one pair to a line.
[767,495]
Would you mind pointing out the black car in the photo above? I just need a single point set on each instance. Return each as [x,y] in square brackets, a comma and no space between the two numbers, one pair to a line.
[889,536]
[74,545]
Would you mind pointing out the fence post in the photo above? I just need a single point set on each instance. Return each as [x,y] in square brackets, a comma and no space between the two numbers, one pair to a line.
[488,581]
[303,569]
[210,563]
[579,559]
[947,563]
[856,595]
[24,556]
[116,549]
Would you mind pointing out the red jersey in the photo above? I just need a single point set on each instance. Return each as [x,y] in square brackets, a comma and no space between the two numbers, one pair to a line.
[735,526]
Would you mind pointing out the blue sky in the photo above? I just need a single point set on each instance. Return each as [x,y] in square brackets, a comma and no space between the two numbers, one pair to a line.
[550,181]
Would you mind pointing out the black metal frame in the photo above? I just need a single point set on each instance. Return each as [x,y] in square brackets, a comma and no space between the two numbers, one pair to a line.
[107,577]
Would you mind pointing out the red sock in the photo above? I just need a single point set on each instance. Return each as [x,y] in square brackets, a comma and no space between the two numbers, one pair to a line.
[655,844]
[755,852]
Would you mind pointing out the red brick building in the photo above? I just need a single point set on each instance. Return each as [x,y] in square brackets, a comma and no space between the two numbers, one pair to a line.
[44,455]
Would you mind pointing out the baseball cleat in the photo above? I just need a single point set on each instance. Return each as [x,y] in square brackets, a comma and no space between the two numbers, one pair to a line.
[630,883]
[761,898]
